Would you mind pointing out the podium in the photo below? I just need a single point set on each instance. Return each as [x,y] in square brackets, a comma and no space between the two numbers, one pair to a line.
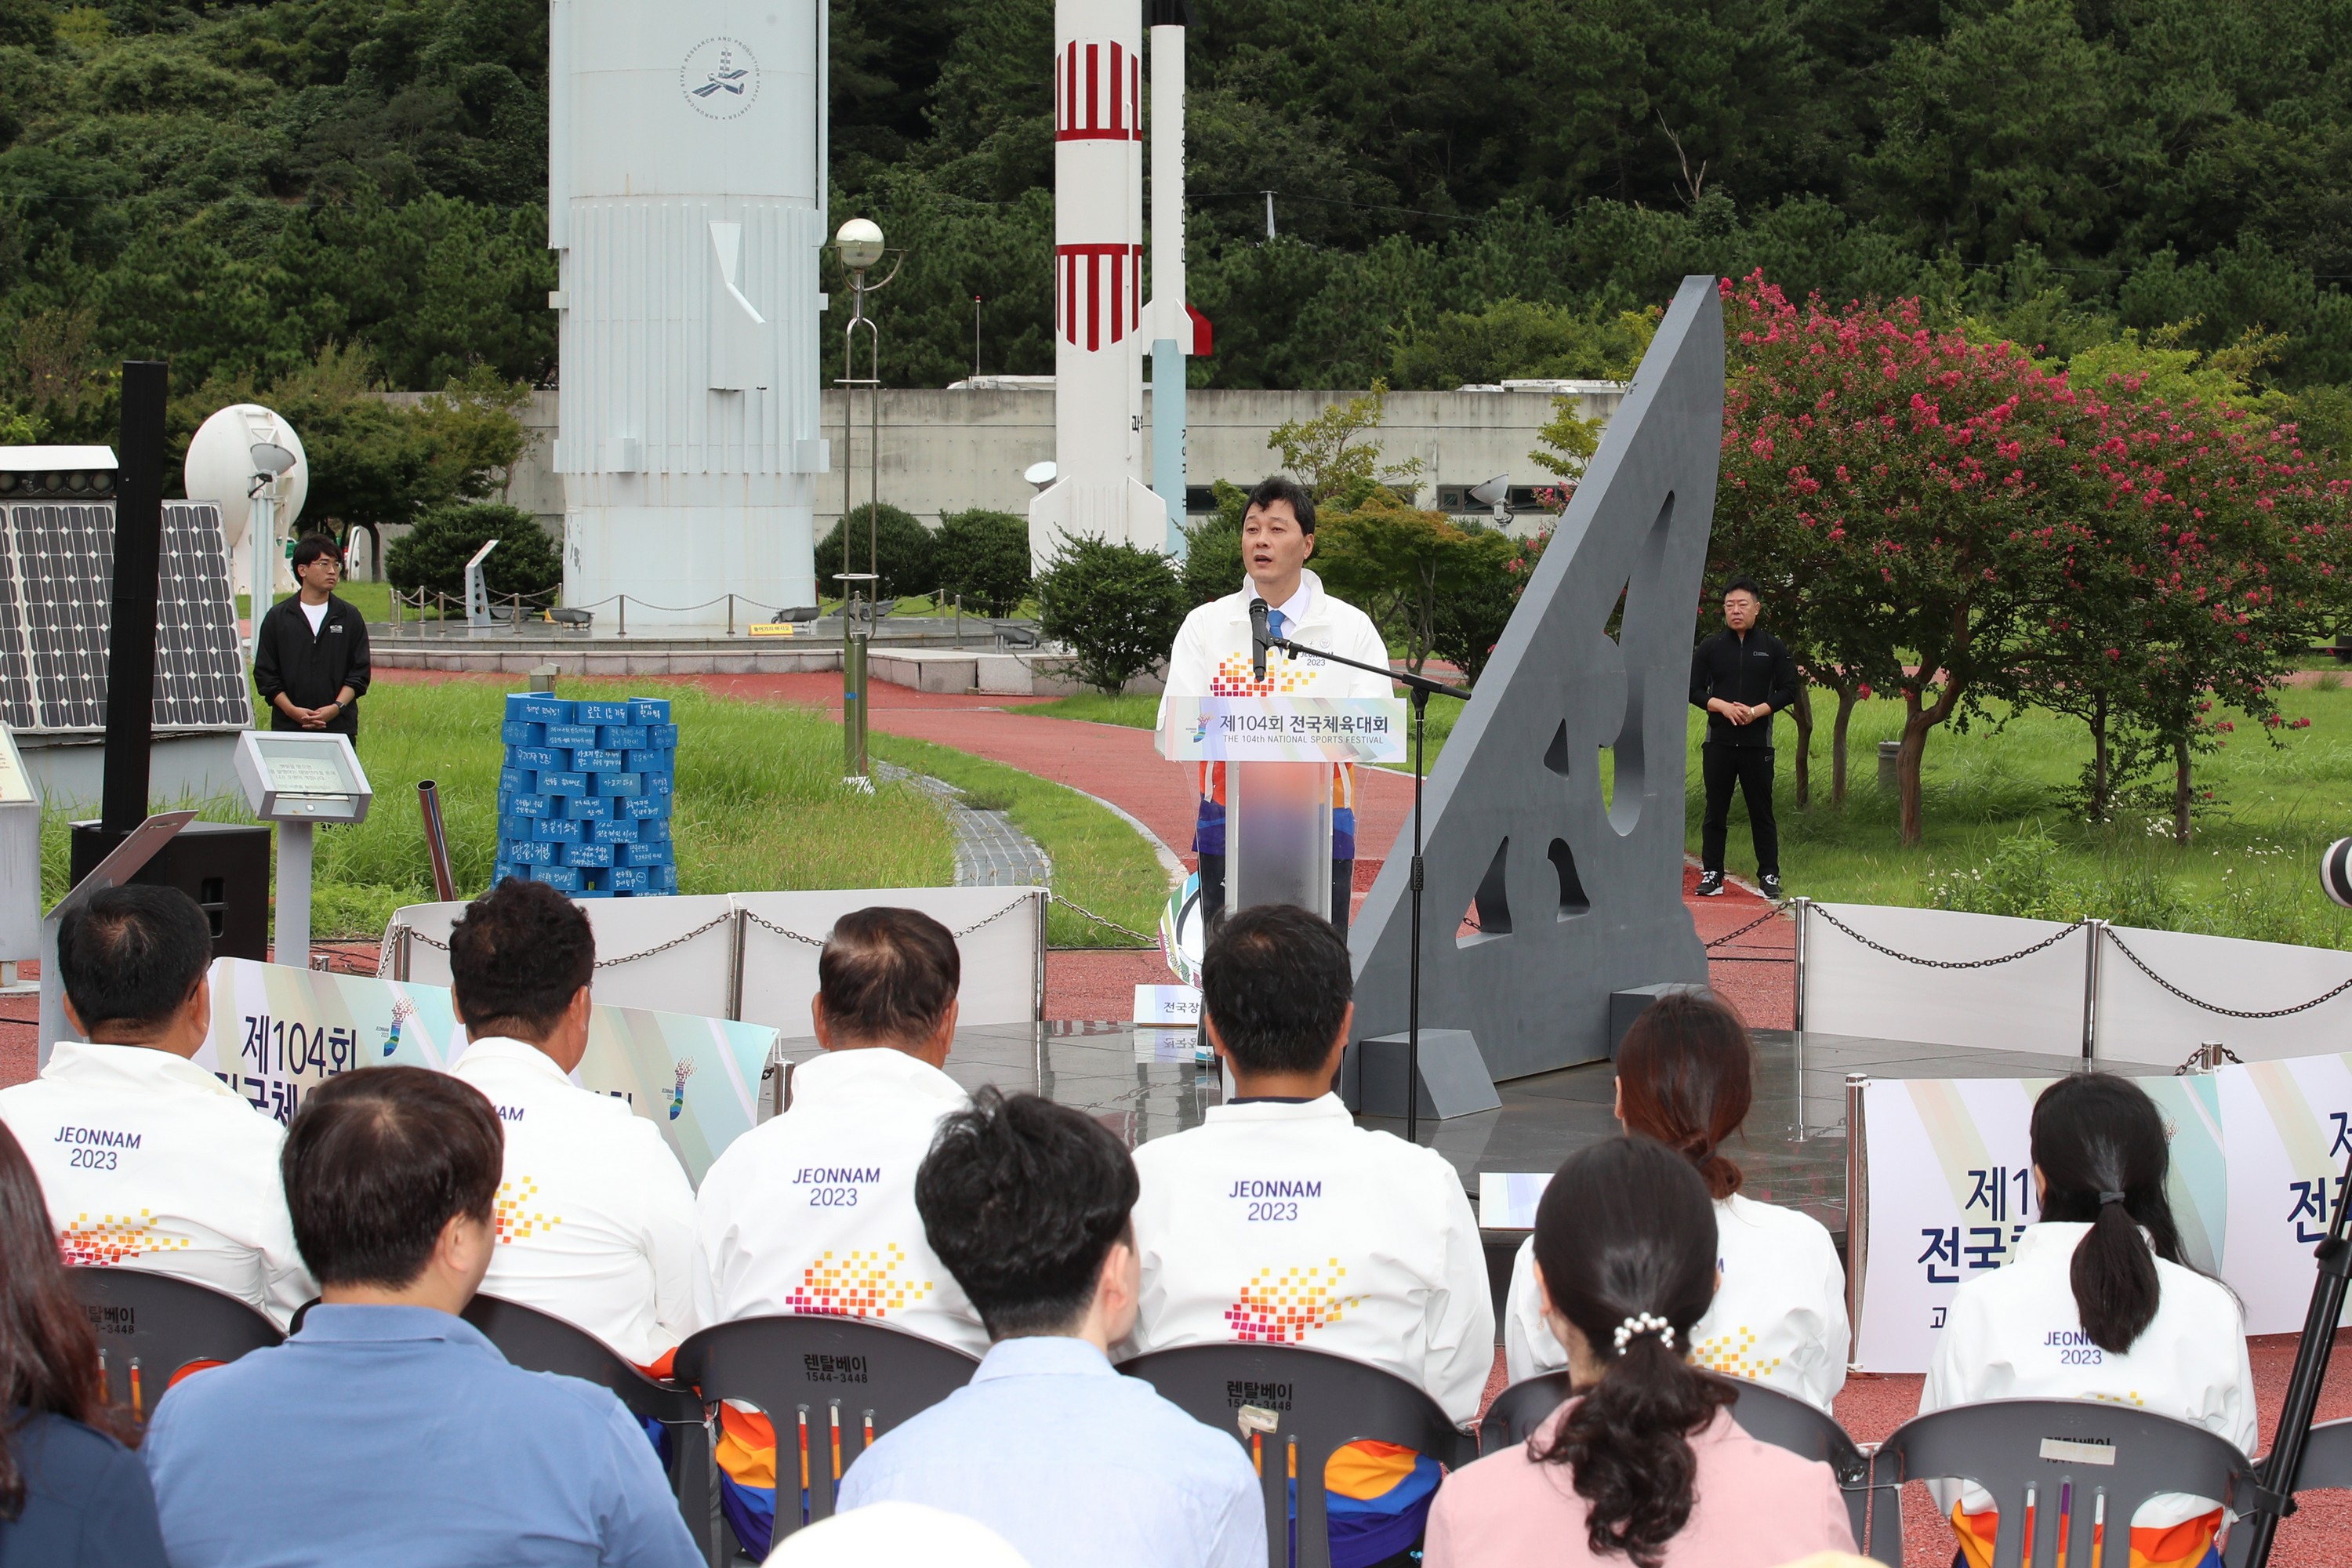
[1279,754]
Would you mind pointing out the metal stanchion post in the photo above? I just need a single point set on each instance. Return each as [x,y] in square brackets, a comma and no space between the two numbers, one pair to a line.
[855,697]
[2095,931]
[1804,906]
[1857,1200]
[735,965]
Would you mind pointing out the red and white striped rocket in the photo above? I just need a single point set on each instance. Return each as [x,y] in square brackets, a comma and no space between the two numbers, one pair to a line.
[1102,324]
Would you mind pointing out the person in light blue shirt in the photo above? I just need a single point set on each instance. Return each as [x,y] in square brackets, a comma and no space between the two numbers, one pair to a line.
[1027,1204]
[388,1431]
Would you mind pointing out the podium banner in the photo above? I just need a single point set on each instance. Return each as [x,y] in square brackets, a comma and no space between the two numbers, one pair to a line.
[1285,729]
[279,1032]
[2287,1127]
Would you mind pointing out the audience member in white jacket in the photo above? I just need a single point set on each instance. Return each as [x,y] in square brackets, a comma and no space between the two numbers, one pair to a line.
[813,1211]
[147,1160]
[594,1218]
[1278,1219]
[2096,1303]
[1686,1077]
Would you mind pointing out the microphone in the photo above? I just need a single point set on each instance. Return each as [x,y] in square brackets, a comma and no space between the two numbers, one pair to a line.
[1259,638]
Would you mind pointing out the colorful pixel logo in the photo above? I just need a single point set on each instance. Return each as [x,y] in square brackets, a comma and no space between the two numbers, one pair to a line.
[856,1285]
[402,1011]
[113,1239]
[512,1221]
[1279,1311]
[677,1089]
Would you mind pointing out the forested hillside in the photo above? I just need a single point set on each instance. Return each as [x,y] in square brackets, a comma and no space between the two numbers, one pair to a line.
[1464,189]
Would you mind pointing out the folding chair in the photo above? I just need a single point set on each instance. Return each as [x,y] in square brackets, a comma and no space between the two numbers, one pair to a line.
[2059,1467]
[152,1326]
[1765,1413]
[1315,1403]
[537,1341]
[2326,1467]
[828,1385]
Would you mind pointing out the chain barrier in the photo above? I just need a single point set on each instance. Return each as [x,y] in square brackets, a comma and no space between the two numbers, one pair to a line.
[1773,913]
[2050,941]
[1099,919]
[2201,1059]
[759,920]
[2225,1012]
[713,923]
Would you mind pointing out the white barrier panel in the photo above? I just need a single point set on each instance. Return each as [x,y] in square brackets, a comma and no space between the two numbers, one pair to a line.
[2139,1021]
[1949,1187]
[999,931]
[2033,1004]
[280,1032]
[692,977]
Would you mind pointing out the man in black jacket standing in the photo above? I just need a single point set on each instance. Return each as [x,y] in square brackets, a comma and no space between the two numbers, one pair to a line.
[310,661]
[1742,676]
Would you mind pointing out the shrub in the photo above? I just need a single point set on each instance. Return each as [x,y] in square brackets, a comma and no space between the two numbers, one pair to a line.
[1116,608]
[432,554]
[901,552]
[984,556]
[1213,548]
[1468,616]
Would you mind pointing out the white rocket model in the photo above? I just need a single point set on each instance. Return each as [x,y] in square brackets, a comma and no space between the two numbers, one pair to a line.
[1102,325]
[686,206]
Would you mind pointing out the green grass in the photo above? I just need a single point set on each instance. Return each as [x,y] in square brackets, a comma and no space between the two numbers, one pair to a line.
[760,805]
[2250,870]
[1099,861]
[372,600]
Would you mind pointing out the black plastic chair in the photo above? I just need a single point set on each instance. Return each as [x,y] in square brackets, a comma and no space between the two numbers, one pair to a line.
[151,1325]
[539,1341]
[1765,1413]
[1319,1403]
[2037,1455]
[868,1376]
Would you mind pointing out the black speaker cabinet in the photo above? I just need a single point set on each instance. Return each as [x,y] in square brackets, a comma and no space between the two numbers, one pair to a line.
[224,866]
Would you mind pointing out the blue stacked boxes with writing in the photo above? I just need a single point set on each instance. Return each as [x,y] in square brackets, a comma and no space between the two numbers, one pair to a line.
[584,796]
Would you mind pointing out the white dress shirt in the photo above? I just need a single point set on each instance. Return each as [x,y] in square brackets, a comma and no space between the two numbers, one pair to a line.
[151,1162]
[2016,1333]
[1288,1224]
[813,1211]
[596,1216]
[1779,1317]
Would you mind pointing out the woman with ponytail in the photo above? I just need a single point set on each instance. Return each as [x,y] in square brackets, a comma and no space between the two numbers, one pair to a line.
[2096,1301]
[70,1494]
[1642,1465]
[1686,1077]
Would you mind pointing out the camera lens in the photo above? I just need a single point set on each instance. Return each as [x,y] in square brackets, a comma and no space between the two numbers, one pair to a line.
[2336,871]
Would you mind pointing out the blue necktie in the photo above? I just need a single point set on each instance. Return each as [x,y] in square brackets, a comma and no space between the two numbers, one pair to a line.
[1273,623]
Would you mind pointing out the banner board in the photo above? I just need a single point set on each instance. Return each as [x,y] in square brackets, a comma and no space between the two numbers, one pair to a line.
[1285,729]
[280,1032]
[1949,1188]
[2287,1126]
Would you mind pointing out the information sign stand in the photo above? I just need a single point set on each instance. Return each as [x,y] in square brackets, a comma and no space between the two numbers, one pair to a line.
[298,779]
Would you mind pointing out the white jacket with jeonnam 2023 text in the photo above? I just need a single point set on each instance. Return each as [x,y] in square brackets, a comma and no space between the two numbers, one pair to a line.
[1286,1223]
[813,1211]
[1779,1317]
[150,1162]
[595,1214]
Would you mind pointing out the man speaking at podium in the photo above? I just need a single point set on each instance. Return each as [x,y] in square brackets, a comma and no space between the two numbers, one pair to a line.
[1214,658]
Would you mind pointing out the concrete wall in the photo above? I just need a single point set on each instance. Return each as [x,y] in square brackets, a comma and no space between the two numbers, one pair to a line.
[948,450]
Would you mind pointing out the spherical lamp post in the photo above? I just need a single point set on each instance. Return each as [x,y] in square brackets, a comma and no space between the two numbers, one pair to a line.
[859,243]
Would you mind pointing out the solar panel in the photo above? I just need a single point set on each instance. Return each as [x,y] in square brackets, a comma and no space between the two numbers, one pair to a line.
[57,579]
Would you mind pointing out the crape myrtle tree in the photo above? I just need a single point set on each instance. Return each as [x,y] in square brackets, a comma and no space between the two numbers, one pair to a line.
[1905,476]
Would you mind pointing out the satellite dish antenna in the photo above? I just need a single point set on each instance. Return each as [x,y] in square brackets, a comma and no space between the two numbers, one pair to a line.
[270,462]
[1496,493]
[221,467]
[1042,474]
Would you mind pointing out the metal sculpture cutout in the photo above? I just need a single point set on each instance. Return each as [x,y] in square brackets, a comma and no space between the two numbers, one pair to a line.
[1556,811]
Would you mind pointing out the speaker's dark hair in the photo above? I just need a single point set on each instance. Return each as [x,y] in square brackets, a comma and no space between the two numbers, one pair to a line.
[1022,1199]
[2096,1134]
[1282,487]
[1627,1228]
[1275,982]
[1686,1076]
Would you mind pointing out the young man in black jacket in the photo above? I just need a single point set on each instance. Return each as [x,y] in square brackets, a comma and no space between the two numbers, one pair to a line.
[312,664]
[1742,676]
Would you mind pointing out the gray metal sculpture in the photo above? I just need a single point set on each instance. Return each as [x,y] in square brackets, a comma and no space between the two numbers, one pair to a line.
[1575,887]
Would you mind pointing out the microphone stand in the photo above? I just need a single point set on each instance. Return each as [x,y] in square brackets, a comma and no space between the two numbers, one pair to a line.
[2275,1496]
[1421,687]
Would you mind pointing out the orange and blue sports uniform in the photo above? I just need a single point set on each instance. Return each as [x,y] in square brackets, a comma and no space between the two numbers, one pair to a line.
[2189,1544]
